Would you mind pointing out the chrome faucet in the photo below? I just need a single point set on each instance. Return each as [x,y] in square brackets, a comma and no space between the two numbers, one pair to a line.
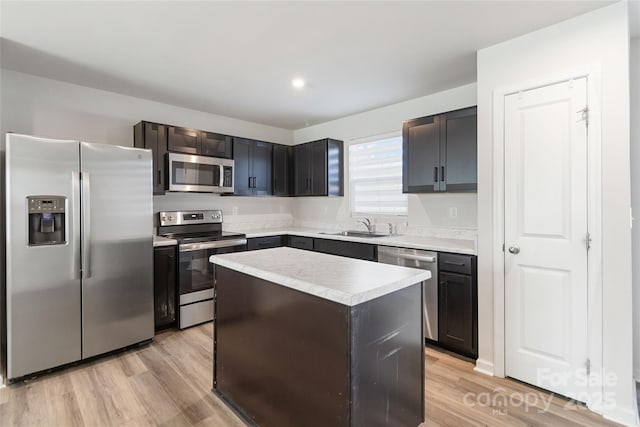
[367,223]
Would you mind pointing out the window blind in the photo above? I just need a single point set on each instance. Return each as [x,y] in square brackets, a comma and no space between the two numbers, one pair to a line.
[375,177]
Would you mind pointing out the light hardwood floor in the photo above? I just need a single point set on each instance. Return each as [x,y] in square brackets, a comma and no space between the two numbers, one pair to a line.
[169,383]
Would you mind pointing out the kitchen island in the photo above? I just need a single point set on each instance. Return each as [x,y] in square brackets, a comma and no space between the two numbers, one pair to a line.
[305,338]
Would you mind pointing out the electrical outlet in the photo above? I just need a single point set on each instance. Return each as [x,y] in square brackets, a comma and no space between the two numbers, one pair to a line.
[453,212]
[234,210]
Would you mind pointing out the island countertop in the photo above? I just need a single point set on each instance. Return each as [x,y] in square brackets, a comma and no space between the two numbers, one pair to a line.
[343,280]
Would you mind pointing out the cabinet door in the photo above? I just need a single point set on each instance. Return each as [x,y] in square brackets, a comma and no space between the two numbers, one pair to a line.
[164,286]
[455,312]
[155,139]
[458,150]
[215,144]
[302,174]
[318,168]
[421,155]
[242,167]
[182,140]
[261,159]
[281,170]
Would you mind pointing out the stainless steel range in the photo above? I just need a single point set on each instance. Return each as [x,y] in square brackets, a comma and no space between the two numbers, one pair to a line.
[199,235]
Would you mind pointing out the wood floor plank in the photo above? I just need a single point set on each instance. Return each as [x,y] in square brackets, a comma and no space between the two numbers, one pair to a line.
[168,383]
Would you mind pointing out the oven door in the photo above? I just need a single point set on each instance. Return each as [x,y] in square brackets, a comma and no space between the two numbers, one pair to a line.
[195,270]
[199,174]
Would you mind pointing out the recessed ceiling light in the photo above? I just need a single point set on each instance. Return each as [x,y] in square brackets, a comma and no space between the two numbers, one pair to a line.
[298,83]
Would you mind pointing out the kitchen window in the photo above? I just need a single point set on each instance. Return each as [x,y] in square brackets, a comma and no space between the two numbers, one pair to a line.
[375,176]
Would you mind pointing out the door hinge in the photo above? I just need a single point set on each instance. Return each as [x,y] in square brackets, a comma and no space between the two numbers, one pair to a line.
[584,115]
[587,365]
[587,240]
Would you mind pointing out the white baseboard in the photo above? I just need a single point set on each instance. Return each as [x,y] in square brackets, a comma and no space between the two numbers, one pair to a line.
[484,367]
[624,416]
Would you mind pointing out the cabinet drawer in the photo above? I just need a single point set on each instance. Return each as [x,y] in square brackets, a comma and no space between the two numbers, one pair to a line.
[301,242]
[265,242]
[456,263]
[346,249]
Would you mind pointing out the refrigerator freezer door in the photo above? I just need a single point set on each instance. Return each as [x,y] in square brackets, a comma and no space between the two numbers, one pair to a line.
[42,282]
[117,286]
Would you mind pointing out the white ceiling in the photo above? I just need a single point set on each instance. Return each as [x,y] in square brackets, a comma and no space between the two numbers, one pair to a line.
[237,58]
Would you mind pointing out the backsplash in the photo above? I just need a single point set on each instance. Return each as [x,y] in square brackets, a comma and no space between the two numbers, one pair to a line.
[429,215]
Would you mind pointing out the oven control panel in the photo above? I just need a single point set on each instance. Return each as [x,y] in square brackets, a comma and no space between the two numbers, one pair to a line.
[189,217]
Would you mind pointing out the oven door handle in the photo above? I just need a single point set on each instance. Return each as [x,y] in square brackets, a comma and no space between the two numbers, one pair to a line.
[188,247]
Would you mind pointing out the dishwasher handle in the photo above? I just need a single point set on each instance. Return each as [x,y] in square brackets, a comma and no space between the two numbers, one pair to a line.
[418,258]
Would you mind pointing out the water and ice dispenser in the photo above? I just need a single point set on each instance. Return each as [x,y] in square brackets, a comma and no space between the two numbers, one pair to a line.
[46,220]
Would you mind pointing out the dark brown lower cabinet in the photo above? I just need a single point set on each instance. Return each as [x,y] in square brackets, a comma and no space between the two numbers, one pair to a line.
[164,287]
[286,358]
[458,304]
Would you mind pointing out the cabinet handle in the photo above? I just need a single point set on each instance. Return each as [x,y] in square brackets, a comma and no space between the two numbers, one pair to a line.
[457,264]
[442,174]
[435,174]
[254,182]
[159,177]
[250,182]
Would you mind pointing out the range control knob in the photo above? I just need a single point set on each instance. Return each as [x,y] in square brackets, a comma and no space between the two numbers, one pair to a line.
[170,218]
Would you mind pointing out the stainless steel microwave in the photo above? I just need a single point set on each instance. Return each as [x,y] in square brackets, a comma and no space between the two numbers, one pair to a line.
[199,174]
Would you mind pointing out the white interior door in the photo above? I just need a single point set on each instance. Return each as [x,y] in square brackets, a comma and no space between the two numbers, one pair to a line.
[545,237]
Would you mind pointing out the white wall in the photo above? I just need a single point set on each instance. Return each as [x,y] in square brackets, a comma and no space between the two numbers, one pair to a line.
[635,196]
[426,212]
[49,108]
[598,38]
[45,107]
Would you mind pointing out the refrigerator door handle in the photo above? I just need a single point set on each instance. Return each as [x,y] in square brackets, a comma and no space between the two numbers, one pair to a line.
[76,267]
[86,225]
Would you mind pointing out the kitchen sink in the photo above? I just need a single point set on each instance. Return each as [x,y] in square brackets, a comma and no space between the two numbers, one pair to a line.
[354,233]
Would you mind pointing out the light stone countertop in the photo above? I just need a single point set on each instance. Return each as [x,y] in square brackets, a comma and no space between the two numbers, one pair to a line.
[163,241]
[460,246]
[343,280]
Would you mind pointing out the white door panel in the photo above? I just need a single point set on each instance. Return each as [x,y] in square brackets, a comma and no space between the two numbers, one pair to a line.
[546,219]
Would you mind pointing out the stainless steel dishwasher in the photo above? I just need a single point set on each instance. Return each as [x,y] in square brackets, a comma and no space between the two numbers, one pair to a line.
[425,260]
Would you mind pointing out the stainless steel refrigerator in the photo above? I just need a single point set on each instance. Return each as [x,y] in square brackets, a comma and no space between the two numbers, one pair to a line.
[79,251]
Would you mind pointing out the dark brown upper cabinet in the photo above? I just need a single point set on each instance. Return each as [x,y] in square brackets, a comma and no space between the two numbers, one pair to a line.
[282,170]
[318,168]
[440,153]
[203,143]
[153,136]
[252,167]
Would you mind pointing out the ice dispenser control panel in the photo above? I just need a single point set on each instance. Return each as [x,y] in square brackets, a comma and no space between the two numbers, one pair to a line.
[46,215]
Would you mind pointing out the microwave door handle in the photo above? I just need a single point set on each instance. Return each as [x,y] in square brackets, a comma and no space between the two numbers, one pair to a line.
[221,168]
